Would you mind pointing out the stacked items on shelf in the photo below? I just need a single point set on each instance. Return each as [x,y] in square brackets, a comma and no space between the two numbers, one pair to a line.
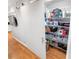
[57,29]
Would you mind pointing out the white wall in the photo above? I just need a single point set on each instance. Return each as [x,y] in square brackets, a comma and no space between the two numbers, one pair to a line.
[30,28]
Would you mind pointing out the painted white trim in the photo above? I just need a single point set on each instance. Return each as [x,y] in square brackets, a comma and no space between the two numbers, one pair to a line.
[68,55]
[25,46]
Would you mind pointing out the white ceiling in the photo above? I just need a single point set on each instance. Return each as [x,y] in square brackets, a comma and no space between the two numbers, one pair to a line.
[48,3]
[14,3]
[11,3]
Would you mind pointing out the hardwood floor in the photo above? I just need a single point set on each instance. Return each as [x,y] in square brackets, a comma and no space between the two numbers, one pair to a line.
[54,53]
[18,51]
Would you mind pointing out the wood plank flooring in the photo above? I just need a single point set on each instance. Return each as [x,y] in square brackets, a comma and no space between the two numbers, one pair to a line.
[54,53]
[18,51]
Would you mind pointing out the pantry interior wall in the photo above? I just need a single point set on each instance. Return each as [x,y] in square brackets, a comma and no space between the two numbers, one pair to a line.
[62,4]
[30,28]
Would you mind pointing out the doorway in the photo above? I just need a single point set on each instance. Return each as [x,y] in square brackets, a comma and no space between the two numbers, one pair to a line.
[57,23]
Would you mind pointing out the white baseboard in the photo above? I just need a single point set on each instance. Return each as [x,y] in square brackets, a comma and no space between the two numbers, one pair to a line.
[25,46]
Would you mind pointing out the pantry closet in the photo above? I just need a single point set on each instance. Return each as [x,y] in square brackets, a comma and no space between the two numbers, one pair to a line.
[57,24]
